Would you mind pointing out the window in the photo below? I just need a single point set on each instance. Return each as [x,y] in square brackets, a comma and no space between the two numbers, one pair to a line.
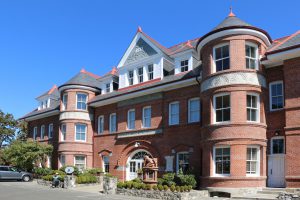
[150,72]
[34,133]
[276,95]
[184,65]
[252,162]
[252,107]
[50,131]
[49,163]
[62,160]
[42,132]
[222,107]
[251,56]
[277,146]
[174,113]
[222,160]
[183,162]
[113,123]
[194,110]
[221,57]
[140,74]
[131,119]
[147,117]
[107,87]
[100,124]
[80,132]
[63,130]
[105,164]
[79,161]
[81,101]
[130,77]
[65,102]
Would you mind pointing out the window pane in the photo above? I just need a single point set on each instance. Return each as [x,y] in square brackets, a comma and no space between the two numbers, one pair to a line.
[218,102]
[226,114]
[218,53]
[253,115]
[219,65]
[273,90]
[219,116]
[247,50]
[225,51]
[226,101]
[280,102]
[226,63]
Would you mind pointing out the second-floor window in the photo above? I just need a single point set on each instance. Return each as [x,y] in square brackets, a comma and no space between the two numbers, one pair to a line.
[63,130]
[80,132]
[130,77]
[150,72]
[194,110]
[222,160]
[131,119]
[34,133]
[222,107]
[174,113]
[42,132]
[81,101]
[147,117]
[140,74]
[113,123]
[251,56]
[276,95]
[252,108]
[221,57]
[50,131]
[65,102]
[100,124]
[107,87]
[184,65]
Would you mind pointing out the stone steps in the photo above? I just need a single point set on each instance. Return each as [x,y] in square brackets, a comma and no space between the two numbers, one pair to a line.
[257,196]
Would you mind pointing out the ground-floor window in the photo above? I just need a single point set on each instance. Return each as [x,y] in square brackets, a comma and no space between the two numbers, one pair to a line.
[49,163]
[222,160]
[105,164]
[183,162]
[80,162]
[62,160]
[252,162]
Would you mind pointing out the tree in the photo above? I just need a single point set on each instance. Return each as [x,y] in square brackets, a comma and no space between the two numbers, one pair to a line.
[22,130]
[24,154]
[8,127]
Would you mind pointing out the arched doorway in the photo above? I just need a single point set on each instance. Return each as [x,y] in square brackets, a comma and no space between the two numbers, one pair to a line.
[135,162]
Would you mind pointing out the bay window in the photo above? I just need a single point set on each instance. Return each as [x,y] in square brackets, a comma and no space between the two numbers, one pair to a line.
[222,108]
[253,107]
[252,161]
[80,162]
[82,101]
[80,130]
[63,130]
[65,102]
[221,57]
[251,56]
[222,160]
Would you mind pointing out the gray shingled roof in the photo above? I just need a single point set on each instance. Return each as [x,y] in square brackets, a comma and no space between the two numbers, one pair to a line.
[83,79]
[231,21]
[53,106]
[55,94]
[285,42]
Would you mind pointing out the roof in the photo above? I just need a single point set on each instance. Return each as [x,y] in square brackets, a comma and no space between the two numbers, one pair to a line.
[53,106]
[285,43]
[168,79]
[231,21]
[113,72]
[84,78]
[53,91]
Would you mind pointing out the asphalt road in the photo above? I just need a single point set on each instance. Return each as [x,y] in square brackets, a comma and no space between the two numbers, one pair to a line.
[15,190]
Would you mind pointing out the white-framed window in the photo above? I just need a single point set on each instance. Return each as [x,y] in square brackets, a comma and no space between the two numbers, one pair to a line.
[150,72]
[253,108]
[49,163]
[174,113]
[194,110]
[222,160]
[113,123]
[42,105]
[65,102]
[251,51]
[34,133]
[80,132]
[82,101]
[147,117]
[80,162]
[221,57]
[131,119]
[107,87]
[130,77]
[276,95]
[140,74]
[183,162]
[42,132]
[63,130]
[252,161]
[100,124]
[50,131]
[184,65]
[62,160]
[277,145]
[105,160]
[222,107]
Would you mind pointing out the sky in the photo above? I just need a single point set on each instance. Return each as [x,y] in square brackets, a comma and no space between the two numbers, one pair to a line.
[47,42]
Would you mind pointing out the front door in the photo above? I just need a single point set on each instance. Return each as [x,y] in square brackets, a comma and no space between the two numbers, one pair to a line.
[135,163]
[276,163]
[135,166]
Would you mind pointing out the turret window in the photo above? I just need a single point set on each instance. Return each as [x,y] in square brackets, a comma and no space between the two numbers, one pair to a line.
[251,56]
[221,57]
[252,107]
[81,101]
[222,108]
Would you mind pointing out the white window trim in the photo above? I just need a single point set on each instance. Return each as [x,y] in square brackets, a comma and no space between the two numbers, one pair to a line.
[258,107]
[128,119]
[49,130]
[148,73]
[43,128]
[138,75]
[103,164]
[214,160]
[258,161]
[98,131]
[128,77]
[177,159]
[170,120]
[270,94]
[106,84]
[110,122]
[143,121]
[60,163]
[278,137]
[61,133]
[35,132]
[256,54]
[85,132]
[87,99]
[214,69]
[63,100]
[180,67]
[189,110]
[214,107]
[84,160]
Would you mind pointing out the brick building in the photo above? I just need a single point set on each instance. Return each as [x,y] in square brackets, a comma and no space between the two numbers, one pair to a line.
[224,106]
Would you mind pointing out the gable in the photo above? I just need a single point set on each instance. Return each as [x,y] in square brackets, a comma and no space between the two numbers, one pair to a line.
[140,51]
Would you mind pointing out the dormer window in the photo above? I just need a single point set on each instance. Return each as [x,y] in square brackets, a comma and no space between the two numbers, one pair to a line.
[221,57]
[130,77]
[81,101]
[107,87]
[251,56]
[140,75]
[184,65]
[150,72]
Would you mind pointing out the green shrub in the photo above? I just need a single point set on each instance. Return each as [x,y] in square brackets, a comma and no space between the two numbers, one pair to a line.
[187,179]
[181,188]
[168,179]
[42,171]
[143,186]
[148,187]
[137,180]
[166,188]
[95,171]
[190,188]
[47,178]
[178,188]
[85,179]
[120,185]
[173,188]
[160,187]
[76,170]
[109,175]
[60,173]
[129,184]
[154,187]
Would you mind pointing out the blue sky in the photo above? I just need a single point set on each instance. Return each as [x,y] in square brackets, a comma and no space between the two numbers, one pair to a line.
[46,42]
